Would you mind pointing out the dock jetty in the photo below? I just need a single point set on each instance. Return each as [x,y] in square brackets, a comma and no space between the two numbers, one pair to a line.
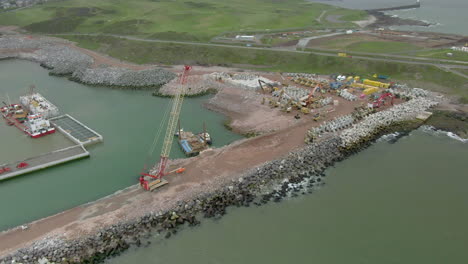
[402,7]
[73,130]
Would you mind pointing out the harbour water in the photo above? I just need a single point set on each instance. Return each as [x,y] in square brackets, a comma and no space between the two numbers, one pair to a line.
[392,203]
[128,121]
[447,16]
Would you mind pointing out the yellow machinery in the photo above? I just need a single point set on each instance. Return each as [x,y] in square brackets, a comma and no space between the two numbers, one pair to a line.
[342,54]
[370,90]
[376,83]
[317,117]
[305,110]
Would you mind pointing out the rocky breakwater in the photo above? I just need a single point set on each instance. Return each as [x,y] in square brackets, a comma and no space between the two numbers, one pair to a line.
[62,59]
[59,59]
[120,77]
[299,172]
[373,125]
[197,85]
[293,174]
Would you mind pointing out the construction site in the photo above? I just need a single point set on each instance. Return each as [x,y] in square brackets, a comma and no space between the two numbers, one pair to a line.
[314,106]
[295,126]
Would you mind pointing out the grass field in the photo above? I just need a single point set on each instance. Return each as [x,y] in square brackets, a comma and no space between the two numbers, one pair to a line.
[442,54]
[363,43]
[170,53]
[381,46]
[465,71]
[170,19]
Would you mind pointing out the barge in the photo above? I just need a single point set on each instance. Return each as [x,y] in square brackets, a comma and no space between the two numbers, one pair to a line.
[192,144]
[31,116]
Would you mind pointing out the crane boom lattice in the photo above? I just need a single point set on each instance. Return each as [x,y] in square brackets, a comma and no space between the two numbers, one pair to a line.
[172,123]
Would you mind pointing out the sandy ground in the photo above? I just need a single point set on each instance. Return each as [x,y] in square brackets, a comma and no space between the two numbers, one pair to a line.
[212,169]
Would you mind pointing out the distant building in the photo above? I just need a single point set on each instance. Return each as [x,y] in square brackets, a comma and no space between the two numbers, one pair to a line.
[245,37]
[11,4]
[465,49]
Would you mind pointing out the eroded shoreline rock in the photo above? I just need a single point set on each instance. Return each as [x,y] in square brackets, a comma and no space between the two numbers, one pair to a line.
[63,60]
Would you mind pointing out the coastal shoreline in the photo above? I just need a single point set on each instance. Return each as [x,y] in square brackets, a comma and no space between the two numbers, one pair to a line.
[104,228]
[384,20]
[125,228]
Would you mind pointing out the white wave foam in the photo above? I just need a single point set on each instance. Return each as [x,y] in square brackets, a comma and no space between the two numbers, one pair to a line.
[434,131]
[388,137]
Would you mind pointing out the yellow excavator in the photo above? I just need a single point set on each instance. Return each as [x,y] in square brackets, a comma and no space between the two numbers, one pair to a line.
[266,87]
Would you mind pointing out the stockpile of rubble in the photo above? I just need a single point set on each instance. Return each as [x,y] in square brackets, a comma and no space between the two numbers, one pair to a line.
[405,92]
[196,85]
[332,126]
[245,81]
[113,76]
[291,93]
[347,95]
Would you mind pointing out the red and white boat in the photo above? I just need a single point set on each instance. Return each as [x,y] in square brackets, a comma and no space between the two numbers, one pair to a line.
[38,126]
[31,116]
[33,125]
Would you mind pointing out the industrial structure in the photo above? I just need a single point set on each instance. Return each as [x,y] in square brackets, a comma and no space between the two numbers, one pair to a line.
[37,117]
[158,172]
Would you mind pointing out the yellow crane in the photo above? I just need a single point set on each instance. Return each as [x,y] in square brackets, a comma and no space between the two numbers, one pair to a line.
[157,173]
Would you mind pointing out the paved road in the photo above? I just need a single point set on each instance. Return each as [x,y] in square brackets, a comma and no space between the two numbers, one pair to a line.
[395,58]
[305,41]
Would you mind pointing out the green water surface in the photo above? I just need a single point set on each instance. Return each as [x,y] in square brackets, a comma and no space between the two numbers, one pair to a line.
[392,203]
[128,121]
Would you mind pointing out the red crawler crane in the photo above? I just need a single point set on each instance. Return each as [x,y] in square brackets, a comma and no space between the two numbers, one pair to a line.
[377,103]
[158,173]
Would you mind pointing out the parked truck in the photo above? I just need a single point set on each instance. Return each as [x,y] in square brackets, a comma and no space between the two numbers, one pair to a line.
[343,54]
[380,76]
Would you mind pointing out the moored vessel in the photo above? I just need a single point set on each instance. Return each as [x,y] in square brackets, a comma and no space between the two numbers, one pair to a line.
[31,116]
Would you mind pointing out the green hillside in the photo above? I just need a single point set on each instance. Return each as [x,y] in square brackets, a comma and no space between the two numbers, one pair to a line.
[194,20]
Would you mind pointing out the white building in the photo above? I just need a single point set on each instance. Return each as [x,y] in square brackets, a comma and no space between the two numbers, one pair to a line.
[465,49]
[245,37]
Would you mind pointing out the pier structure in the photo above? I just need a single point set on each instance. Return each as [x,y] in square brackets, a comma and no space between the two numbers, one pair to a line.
[402,7]
[43,161]
[73,129]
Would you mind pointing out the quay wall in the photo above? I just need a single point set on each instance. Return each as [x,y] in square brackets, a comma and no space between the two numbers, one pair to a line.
[402,7]
[53,162]
[89,141]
